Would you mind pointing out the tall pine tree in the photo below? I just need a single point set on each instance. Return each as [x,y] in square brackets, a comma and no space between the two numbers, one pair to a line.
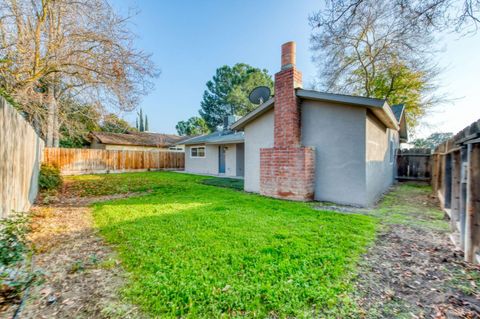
[141,126]
[227,92]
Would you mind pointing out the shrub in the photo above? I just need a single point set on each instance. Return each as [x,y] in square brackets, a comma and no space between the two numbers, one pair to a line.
[15,271]
[50,177]
[13,231]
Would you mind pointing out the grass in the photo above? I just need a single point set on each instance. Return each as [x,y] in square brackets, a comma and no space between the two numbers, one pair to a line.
[402,206]
[225,182]
[195,250]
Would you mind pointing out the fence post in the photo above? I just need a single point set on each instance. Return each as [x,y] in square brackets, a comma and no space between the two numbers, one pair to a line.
[455,197]
[473,159]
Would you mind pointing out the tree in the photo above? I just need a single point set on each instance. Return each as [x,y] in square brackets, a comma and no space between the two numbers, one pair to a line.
[80,48]
[192,126]
[374,53]
[141,125]
[141,122]
[432,141]
[76,121]
[431,15]
[114,124]
[227,92]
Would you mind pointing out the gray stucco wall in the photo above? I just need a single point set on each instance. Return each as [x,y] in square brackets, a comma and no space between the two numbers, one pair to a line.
[380,160]
[209,163]
[205,165]
[258,134]
[338,134]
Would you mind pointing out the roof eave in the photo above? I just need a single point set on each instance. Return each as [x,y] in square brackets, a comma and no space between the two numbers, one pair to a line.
[385,114]
[339,98]
[226,142]
[240,124]
[380,108]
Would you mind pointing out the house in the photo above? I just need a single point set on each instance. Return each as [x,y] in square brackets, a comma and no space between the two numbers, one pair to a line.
[135,141]
[219,153]
[309,145]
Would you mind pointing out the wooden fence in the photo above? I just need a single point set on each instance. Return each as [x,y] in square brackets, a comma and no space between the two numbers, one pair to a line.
[73,161]
[20,154]
[414,164]
[456,183]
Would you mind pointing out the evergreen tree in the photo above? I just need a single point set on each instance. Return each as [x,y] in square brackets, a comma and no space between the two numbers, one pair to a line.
[146,123]
[141,126]
[227,92]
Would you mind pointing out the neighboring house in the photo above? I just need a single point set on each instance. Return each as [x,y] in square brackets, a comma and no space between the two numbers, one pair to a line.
[219,153]
[139,141]
[310,145]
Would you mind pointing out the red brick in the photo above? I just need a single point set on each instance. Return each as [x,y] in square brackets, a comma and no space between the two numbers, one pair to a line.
[288,169]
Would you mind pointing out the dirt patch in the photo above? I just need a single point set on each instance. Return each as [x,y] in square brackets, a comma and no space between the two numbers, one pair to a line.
[81,276]
[414,271]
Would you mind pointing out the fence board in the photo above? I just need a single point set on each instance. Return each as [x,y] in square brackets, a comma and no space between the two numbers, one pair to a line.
[20,154]
[456,182]
[73,161]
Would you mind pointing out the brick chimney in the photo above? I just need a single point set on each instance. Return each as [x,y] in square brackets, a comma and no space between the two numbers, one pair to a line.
[288,169]
[287,106]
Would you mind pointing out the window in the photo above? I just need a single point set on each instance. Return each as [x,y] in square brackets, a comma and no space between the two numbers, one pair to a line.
[392,151]
[197,151]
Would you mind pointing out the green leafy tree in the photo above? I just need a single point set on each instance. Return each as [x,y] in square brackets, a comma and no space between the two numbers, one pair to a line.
[192,126]
[227,92]
[400,84]
[432,141]
[114,124]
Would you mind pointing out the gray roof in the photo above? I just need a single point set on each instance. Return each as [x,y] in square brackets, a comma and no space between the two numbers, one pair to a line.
[398,111]
[340,98]
[137,138]
[379,107]
[221,137]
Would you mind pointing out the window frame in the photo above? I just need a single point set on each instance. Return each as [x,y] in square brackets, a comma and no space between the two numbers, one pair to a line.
[197,148]
[393,151]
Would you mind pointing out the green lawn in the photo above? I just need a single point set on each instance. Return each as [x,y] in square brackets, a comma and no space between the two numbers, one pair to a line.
[195,250]
[408,204]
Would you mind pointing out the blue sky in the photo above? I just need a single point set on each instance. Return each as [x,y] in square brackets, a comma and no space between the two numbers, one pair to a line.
[189,40]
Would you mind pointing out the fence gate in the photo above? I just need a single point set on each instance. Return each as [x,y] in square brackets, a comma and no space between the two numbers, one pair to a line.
[414,164]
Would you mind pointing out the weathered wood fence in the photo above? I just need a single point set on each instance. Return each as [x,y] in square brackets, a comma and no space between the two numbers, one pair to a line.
[456,182]
[73,161]
[20,155]
[414,164]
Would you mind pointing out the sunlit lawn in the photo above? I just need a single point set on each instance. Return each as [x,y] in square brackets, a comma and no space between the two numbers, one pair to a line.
[195,250]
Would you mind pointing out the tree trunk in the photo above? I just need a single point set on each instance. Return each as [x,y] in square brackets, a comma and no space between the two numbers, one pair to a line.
[52,116]
[56,135]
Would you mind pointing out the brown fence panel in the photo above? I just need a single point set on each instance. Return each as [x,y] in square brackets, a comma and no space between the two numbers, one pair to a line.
[414,164]
[456,183]
[73,161]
